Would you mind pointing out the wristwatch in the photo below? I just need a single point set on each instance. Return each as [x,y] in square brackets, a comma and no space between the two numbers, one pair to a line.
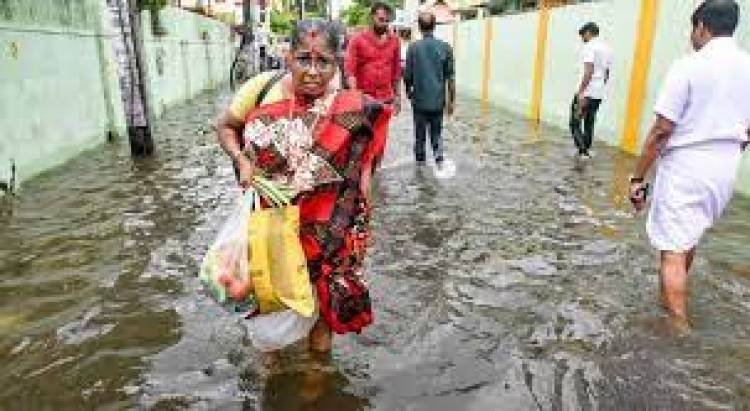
[636,180]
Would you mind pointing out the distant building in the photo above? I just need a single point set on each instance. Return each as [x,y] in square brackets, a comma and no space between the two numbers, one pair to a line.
[228,11]
[338,6]
[443,9]
[443,12]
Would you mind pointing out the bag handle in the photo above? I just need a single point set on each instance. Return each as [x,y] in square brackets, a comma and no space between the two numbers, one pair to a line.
[250,199]
[268,86]
[256,201]
[258,100]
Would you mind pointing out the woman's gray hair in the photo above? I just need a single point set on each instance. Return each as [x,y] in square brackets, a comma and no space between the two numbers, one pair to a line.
[324,28]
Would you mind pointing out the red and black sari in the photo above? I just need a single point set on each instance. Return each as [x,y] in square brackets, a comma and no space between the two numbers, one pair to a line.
[334,217]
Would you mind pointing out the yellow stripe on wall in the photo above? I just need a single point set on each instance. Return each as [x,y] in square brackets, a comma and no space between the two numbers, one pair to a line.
[486,62]
[639,75]
[535,107]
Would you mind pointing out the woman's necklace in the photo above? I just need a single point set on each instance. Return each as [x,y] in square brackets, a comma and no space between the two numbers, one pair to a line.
[319,107]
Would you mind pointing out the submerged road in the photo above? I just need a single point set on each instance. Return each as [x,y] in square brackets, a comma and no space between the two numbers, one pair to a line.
[523,282]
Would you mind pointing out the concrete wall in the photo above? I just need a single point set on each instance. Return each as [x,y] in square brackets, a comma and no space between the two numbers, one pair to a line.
[513,50]
[467,49]
[521,57]
[58,87]
[195,55]
[618,20]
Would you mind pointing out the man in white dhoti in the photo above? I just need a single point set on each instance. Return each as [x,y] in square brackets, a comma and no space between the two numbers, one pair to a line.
[701,127]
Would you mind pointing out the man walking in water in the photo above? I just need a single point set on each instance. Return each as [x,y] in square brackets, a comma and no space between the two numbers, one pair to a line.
[373,59]
[429,67]
[701,128]
[373,65]
[595,62]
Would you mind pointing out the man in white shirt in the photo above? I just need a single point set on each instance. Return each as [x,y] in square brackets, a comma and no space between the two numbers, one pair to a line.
[701,128]
[596,61]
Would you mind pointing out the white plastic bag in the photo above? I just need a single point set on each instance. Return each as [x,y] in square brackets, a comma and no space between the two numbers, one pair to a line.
[274,331]
[228,256]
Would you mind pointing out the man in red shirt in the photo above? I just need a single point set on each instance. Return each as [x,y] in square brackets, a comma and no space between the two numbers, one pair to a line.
[373,59]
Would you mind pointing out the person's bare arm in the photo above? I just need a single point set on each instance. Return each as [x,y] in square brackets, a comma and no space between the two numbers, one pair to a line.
[588,74]
[350,64]
[229,130]
[397,97]
[657,138]
[451,96]
[450,75]
[396,75]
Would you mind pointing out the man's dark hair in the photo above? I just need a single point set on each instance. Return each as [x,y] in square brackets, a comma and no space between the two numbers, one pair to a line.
[720,17]
[322,27]
[589,27]
[426,22]
[379,5]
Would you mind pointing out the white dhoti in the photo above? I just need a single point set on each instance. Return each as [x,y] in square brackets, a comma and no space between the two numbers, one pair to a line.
[692,188]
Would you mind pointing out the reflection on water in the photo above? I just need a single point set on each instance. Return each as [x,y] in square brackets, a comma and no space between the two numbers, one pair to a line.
[524,282]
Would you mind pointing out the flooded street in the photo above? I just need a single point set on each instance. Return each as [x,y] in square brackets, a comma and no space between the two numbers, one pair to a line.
[523,283]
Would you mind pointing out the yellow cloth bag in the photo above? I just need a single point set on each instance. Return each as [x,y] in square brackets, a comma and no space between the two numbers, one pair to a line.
[278,268]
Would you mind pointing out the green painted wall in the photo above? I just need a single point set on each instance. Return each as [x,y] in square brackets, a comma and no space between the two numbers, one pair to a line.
[194,56]
[744,36]
[58,87]
[59,90]
[513,50]
[468,58]
[509,82]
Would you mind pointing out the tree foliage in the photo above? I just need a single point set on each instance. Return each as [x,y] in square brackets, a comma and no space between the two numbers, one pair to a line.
[281,22]
[153,5]
[358,14]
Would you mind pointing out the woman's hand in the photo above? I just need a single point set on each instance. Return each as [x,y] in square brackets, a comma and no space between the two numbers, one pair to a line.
[237,289]
[247,170]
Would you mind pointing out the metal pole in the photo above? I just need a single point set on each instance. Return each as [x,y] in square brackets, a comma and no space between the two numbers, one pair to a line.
[247,15]
[141,142]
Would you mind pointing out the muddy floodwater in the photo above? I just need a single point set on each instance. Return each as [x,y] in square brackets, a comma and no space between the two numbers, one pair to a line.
[524,282]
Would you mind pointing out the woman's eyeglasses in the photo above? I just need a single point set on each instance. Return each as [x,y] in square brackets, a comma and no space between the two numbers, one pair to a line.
[322,63]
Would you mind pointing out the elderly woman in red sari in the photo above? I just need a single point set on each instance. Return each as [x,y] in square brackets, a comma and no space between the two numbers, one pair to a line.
[330,170]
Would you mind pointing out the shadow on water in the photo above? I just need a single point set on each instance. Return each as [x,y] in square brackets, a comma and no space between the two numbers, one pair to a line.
[524,282]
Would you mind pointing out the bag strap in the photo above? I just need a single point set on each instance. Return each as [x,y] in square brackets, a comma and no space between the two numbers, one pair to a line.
[249,200]
[256,201]
[258,100]
[268,86]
